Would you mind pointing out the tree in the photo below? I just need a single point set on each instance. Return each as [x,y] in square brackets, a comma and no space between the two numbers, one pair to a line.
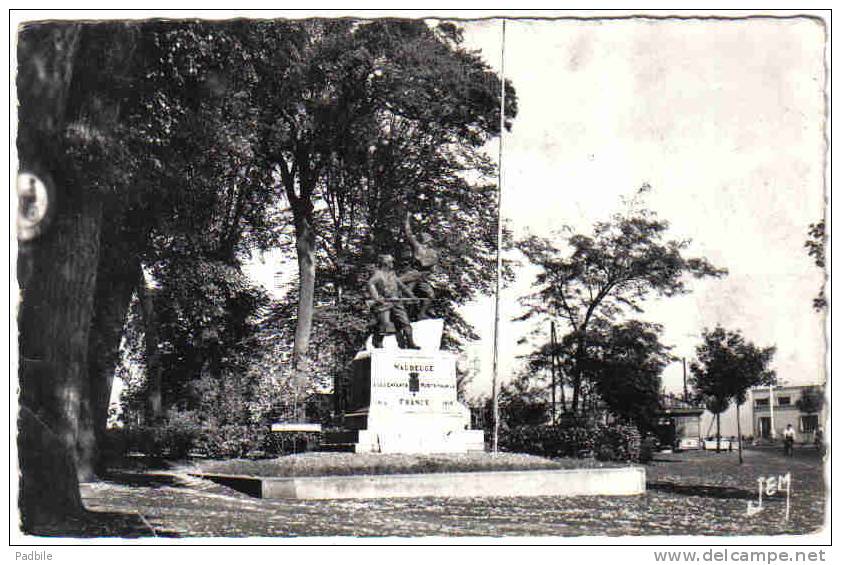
[625,260]
[362,117]
[172,147]
[522,403]
[625,363]
[101,118]
[811,401]
[725,368]
[212,128]
[190,196]
[816,247]
[68,131]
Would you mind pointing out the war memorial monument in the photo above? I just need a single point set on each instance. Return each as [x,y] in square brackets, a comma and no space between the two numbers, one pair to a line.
[402,395]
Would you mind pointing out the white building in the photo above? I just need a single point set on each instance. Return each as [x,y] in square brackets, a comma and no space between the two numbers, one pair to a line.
[774,408]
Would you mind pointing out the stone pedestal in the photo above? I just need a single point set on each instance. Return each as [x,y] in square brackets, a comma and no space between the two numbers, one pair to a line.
[404,401]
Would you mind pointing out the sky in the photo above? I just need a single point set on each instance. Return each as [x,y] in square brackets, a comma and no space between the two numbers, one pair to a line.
[725,121]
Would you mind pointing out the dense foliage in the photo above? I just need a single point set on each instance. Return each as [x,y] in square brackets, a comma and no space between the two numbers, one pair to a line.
[614,442]
[312,137]
[811,400]
[177,149]
[590,282]
[816,247]
[726,367]
[625,363]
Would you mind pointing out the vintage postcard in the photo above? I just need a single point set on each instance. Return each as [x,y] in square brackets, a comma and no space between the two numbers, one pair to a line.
[411,278]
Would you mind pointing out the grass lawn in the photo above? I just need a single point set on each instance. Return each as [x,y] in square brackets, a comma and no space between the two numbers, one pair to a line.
[694,493]
[330,464]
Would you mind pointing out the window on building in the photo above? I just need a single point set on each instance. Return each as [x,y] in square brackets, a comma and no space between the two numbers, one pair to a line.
[784,401]
[808,423]
[761,403]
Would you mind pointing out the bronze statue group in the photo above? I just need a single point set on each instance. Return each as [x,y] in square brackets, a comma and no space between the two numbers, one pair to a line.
[390,294]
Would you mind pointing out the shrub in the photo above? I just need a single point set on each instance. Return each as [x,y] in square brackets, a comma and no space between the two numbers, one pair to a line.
[290,442]
[576,440]
[617,442]
[549,441]
[648,447]
[174,437]
[115,444]
[230,440]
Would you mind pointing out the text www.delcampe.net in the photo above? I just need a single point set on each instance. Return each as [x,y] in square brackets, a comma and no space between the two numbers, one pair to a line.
[740,555]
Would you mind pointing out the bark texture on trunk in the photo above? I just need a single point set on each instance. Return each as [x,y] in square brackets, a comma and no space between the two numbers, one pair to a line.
[305,246]
[56,274]
[578,374]
[153,365]
[54,324]
[119,274]
[49,489]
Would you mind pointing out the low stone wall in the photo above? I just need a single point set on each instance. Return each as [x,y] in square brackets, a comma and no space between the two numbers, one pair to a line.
[566,482]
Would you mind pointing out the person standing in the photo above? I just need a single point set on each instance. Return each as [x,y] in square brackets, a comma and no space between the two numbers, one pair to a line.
[788,441]
[819,440]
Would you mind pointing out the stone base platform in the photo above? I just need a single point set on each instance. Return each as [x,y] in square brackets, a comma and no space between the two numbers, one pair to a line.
[621,481]
[405,401]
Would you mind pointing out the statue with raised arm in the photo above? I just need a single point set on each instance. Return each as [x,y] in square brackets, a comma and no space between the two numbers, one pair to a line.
[426,258]
[388,297]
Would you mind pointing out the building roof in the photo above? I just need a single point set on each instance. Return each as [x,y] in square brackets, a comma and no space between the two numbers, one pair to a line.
[786,387]
[673,405]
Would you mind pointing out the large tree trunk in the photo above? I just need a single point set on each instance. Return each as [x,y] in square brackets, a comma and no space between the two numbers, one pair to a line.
[577,377]
[55,319]
[119,274]
[153,365]
[56,273]
[59,81]
[305,246]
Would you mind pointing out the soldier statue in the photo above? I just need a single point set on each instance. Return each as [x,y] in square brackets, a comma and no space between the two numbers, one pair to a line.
[426,258]
[388,295]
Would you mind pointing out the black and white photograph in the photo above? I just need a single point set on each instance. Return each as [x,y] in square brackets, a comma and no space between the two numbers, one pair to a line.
[423,277]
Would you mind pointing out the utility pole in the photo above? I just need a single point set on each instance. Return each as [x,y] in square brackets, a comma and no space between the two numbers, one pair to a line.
[739,430]
[560,374]
[685,390]
[552,353]
[495,373]
[771,407]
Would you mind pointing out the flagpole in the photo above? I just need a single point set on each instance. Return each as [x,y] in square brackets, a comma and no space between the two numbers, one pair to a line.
[495,374]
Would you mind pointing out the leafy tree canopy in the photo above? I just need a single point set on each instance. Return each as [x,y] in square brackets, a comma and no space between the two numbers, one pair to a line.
[811,401]
[604,274]
[727,366]
[625,361]
[816,247]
